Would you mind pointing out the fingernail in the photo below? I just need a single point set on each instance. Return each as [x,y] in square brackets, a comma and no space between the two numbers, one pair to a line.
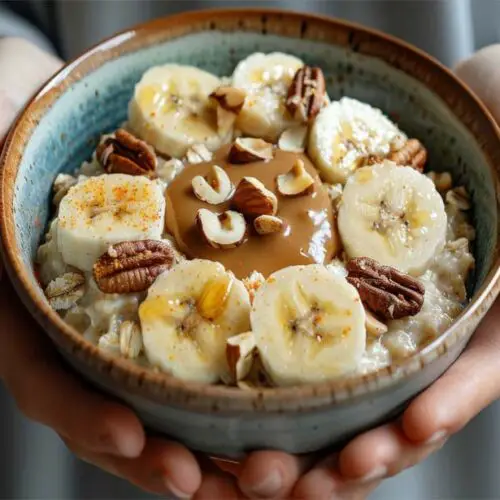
[130,445]
[378,472]
[436,437]
[269,487]
[174,490]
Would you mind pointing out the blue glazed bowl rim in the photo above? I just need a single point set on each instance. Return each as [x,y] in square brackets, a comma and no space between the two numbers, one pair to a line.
[166,389]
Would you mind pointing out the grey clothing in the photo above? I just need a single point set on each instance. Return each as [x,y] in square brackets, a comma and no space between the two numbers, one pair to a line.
[35,463]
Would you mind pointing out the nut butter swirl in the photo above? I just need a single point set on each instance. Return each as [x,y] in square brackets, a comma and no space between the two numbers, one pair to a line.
[310,236]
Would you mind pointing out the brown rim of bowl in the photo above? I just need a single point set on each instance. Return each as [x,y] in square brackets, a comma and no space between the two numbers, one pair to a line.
[166,389]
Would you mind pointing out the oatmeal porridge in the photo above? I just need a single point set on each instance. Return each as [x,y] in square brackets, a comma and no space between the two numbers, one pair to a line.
[250,231]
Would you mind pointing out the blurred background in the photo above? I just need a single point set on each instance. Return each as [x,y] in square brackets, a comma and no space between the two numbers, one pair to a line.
[33,461]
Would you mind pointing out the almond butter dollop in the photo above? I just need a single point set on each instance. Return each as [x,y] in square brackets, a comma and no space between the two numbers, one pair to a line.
[309,237]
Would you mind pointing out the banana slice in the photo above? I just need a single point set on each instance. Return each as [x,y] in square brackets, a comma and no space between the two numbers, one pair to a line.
[309,325]
[394,215]
[188,315]
[348,132]
[265,79]
[107,209]
[171,109]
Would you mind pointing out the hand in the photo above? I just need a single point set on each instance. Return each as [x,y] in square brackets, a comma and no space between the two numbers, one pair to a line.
[447,406]
[96,429]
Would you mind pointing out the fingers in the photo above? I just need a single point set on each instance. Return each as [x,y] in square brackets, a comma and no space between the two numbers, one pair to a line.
[463,391]
[271,474]
[162,467]
[482,73]
[362,464]
[218,486]
[49,394]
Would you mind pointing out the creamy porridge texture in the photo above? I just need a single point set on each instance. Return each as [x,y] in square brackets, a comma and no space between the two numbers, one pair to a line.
[250,231]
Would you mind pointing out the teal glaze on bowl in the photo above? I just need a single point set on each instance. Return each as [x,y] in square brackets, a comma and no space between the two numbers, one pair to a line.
[61,127]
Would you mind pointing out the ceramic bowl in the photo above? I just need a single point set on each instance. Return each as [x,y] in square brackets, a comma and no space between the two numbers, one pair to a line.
[60,127]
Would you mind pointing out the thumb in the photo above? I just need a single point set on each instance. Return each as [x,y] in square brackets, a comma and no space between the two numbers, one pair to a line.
[481,73]
[470,385]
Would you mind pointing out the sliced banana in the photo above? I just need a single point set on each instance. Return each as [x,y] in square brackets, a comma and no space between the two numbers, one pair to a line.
[394,215]
[171,109]
[189,314]
[107,209]
[265,79]
[347,132]
[309,325]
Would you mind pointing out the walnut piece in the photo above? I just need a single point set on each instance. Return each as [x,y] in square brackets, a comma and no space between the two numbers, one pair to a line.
[306,94]
[387,292]
[65,291]
[132,266]
[126,154]
[412,154]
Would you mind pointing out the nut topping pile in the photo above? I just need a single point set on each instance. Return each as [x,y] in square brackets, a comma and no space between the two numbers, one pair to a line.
[253,231]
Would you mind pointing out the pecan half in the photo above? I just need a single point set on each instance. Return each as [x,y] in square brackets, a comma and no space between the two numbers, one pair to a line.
[125,154]
[386,291]
[132,266]
[306,94]
[413,153]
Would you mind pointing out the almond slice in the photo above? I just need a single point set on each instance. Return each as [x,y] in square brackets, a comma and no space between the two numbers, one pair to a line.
[296,182]
[240,352]
[268,224]
[253,198]
[215,188]
[293,139]
[374,326]
[248,149]
[225,230]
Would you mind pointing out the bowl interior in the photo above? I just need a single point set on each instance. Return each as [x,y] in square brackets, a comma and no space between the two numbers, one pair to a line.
[67,133]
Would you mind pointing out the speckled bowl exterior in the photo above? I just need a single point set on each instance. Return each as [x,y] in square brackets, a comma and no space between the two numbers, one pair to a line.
[60,127]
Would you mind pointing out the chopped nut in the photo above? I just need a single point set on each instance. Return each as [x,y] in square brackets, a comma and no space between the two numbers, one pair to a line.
[248,150]
[61,186]
[412,154]
[268,224]
[293,139]
[240,353]
[228,101]
[253,198]
[252,283]
[65,291]
[374,326]
[198,153]
[386,291]
[132,266]
[126,154]
[130,339]
[459,197]
[229,98]
[216,188]
[225,230]
[442,181]
[306,95]
[212,301]
[296,182]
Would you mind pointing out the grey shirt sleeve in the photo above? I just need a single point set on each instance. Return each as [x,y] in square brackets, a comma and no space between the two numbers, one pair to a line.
[11,25]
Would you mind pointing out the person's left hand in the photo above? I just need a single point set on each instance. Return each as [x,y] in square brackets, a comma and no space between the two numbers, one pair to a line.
[447,406]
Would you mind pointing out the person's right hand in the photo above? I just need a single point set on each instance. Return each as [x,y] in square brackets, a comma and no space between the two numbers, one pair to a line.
[96,429]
